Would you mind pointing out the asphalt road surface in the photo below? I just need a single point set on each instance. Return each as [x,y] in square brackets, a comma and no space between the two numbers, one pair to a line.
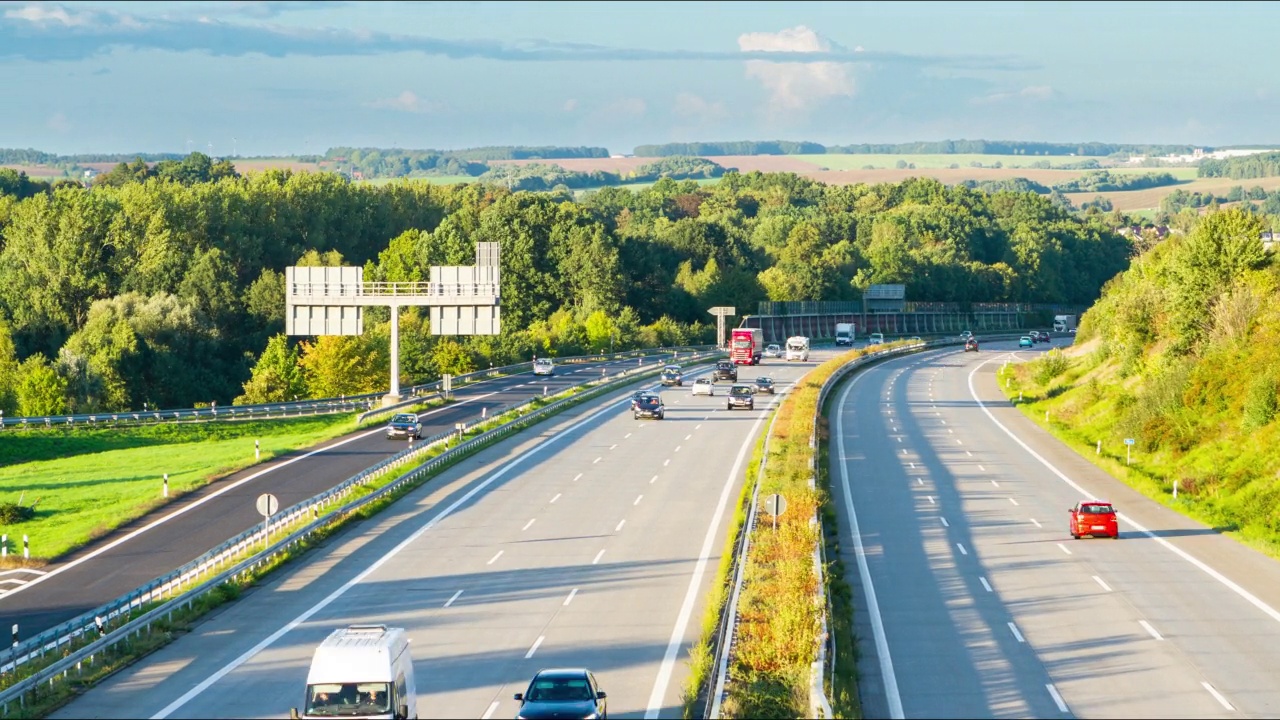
[588,541]
[974,601]
[185,529]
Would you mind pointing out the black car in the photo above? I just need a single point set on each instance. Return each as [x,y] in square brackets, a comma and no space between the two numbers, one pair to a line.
[648,406]
[563,693]
[404,425]
[673,375]
[635,397]
[725,370]
[764,385]
[741,396]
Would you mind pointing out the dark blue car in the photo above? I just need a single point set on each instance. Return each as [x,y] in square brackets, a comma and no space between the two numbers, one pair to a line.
[562,693]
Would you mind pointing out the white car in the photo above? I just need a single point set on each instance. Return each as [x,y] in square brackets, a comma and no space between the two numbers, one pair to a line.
[773,351]
[703,386]
[966,335]
[544,366]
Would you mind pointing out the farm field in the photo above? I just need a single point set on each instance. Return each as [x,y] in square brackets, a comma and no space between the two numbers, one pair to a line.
[851,162]
[1151,197]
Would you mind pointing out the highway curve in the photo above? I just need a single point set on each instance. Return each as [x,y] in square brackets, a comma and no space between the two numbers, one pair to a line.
[974,601]
[588,541]
[183,530]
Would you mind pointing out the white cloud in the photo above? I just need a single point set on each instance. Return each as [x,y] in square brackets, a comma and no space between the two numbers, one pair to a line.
[693,107]
[1029,93]
[795,86]
[48,14]
[407,101]
[570,105]
[58,122]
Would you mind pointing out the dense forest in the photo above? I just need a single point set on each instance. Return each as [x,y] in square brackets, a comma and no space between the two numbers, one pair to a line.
[169,291]
[538,176]
[1242,168]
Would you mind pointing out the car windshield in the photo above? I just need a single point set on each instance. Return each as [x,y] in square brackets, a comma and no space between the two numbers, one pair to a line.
[339,699]
[568,689]
[1097,509]
[404,418]
[740,390]
[763,381]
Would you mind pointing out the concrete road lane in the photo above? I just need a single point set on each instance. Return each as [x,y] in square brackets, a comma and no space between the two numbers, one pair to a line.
[590,541]
[183,530]
[988,608]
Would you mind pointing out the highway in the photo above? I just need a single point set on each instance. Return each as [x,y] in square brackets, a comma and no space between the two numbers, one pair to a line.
[181,531]
[972,600]
[590,540]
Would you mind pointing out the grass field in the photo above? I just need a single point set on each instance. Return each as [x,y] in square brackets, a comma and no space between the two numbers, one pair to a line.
[88,482]
[922,162]
[435,180]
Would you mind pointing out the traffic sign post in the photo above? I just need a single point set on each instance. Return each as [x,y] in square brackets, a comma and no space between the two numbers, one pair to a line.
[1128,446]
[720,311]
[267,505]
[775,505]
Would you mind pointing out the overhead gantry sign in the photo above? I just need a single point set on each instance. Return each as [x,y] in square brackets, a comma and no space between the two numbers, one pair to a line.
[330,301]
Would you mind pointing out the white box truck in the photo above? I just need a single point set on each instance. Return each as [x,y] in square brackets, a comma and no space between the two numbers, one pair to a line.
[798,348]
[844,333]
[362,671]
[1064,323]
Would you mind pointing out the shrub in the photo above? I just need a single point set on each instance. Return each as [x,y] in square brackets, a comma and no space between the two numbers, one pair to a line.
[1053,364]
[11,513]
[1260,403]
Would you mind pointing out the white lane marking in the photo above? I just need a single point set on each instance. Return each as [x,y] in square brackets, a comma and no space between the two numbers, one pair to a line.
[894,428]
[1015,502]
[919,481]
[913,465]
[966,452]
[160,521]
[931,502]
[899,440]
[1103,583]
[904,451]
[993,482]
[666,462]
[962,550]
[944,522]
[1065,549]
[534,649]
[620,524]
[557,497]
[455,597]
[653,479]
[981,469]
[1036,523]
[1057,699]
[697,427]
[944,422]
[985,585]
[493,707]
[494,558]
[598,556]
[570,598]
[960,443]
[678,448]
[637,502]
[1248,596]
[306,615]
[624,437]
[1217,695]
[593,462]
[1147,626]
[657,698]
[611,447]
[526,525]
[575,477]
[686,437]
[1014,629]
[951,431]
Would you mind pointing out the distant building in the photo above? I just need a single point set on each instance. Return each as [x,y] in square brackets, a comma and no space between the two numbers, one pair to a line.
[90,174]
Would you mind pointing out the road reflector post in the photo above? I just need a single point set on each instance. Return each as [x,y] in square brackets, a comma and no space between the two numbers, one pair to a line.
[26,549]
[1175,488]
[1019,396]
[257,450]
[4,545]
[1099,452]
[166,484]
[1046,416]
[544,391]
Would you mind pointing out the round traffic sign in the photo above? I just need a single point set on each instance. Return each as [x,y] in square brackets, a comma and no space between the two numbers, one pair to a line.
[267,504]
[775,504]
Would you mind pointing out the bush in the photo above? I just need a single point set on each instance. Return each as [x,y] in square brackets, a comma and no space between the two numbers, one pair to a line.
[1053,364]
[1260,403]
[11,513]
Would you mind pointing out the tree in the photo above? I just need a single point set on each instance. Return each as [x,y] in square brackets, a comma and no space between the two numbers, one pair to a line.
[8,371]
[40,390]
[450,357]
[337,365]
[277,376]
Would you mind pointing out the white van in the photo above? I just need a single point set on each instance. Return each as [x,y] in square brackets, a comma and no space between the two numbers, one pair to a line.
[362,671]
[876,339]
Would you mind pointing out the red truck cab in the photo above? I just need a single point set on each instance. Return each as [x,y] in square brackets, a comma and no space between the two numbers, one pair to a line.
[1094,518]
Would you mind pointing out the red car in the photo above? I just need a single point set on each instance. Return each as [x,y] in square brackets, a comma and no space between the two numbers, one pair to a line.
[971,344]
[1094,518]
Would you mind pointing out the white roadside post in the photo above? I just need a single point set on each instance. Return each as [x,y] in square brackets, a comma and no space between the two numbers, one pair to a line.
[166,484]
[257,450]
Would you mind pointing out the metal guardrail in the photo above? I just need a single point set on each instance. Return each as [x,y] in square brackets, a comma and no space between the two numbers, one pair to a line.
[297,408]
[168,589]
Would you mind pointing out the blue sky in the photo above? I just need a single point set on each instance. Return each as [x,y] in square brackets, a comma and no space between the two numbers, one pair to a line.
[280,78]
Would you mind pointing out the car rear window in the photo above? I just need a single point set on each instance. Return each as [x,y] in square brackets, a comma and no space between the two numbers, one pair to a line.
[1097,509]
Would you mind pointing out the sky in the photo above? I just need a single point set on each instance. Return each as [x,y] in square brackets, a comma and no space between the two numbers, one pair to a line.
[266,78]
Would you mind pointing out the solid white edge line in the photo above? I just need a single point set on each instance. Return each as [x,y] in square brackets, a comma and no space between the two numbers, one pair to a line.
[306,615]
[887,675]
[1147,626]
[1057,699]
[1248,596]
[657,698]
[1017,635]
[493,707]
[1217,695]
[217,493]
[534,648]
